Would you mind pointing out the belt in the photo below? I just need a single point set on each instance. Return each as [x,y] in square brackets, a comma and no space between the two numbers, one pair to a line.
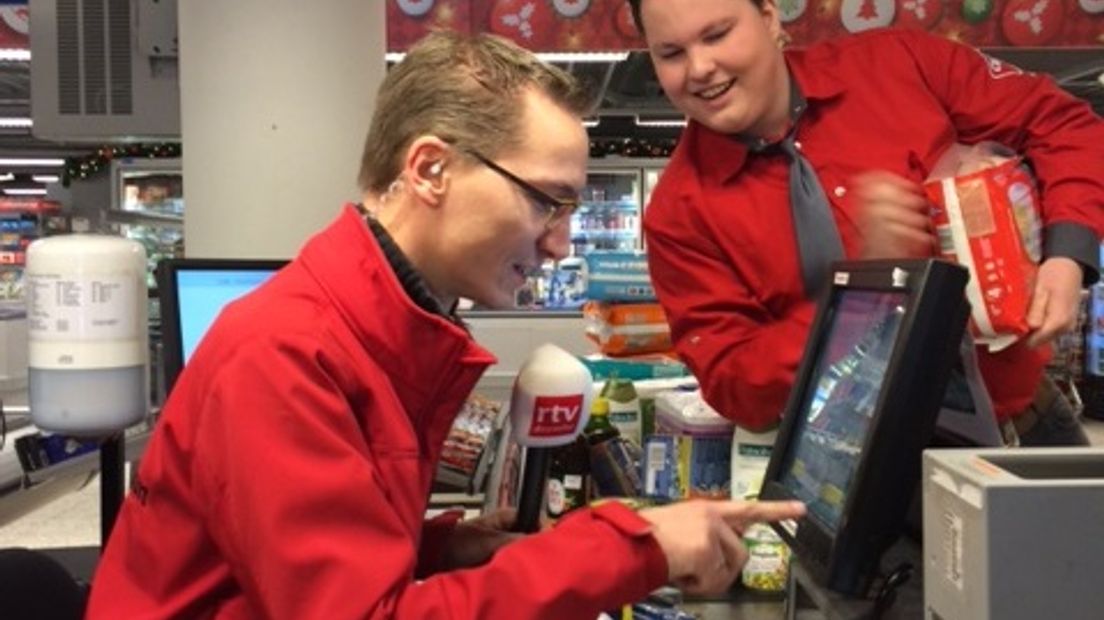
[1020,424]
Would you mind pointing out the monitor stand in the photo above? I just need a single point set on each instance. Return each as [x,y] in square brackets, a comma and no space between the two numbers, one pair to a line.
[808,600]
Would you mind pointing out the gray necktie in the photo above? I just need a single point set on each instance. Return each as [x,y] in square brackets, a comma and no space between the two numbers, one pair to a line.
[818,240]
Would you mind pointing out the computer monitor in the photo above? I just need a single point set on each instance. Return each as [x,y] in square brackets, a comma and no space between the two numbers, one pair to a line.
[863,408]
[192,292]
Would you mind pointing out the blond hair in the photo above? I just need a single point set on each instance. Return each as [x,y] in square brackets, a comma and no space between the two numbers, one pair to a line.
[464,89]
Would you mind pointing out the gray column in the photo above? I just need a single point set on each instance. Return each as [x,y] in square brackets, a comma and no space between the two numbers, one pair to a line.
[276,96]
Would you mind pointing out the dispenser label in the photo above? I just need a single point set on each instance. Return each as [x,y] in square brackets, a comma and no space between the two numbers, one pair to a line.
[82,307]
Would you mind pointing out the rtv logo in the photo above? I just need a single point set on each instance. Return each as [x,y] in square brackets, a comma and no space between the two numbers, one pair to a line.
[555,415]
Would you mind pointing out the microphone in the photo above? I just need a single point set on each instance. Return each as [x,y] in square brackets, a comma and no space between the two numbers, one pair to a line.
[549,408]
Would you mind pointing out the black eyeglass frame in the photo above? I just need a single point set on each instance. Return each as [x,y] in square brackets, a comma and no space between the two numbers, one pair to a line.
[558,209]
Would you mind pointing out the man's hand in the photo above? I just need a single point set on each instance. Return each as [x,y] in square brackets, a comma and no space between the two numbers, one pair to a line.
[475,541]
[894,217]
[1054,302]
[702,538]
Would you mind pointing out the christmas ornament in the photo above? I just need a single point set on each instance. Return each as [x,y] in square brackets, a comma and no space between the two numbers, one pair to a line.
[1092,7]
[790,10]
[922,14]
[527,22]
[859,15]
[415,8]
[571,8]
[976,11]
[827,10]
[444,16]
[18,18]
[576,35]
[1030,23]
[623,20]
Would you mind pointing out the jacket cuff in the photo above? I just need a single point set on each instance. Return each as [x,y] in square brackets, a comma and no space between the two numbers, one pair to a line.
[632,525]
[1075,241]
[435,536]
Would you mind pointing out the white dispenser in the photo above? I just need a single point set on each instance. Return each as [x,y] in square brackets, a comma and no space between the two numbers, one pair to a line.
[87,333]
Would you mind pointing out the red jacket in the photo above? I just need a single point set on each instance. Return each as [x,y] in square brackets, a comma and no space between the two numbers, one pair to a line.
[290,472]
[721,247]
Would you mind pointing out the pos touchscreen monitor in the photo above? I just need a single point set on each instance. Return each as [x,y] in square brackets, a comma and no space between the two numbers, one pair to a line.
[863,408]
[192,292]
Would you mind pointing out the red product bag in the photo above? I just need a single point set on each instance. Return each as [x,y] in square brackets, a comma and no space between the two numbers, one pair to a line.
[986,213]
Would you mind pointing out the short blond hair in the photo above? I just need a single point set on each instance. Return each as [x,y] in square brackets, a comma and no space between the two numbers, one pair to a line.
[464,89]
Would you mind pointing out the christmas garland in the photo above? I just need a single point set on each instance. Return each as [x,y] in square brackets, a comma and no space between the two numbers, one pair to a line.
[632,147]
[80,168]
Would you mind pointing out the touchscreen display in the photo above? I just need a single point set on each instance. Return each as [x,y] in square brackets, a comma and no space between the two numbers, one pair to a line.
[840,399]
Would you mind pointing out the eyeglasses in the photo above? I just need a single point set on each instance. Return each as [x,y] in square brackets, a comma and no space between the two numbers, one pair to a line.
[555,209]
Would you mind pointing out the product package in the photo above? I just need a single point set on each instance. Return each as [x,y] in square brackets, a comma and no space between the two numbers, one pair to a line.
[618,276]
[986,213]
[627,329]
[690,453]
[635,367]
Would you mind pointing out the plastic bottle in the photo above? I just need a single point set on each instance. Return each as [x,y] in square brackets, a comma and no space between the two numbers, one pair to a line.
[624,408]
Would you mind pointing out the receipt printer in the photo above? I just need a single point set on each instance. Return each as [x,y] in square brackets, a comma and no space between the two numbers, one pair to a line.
[1013,534]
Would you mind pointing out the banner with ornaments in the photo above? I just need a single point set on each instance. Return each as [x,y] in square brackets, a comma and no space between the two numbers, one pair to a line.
[14,26]
[606,25]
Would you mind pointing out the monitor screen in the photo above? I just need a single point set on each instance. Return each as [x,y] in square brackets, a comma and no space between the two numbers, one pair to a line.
[848,376]
[192,293]
[863,406]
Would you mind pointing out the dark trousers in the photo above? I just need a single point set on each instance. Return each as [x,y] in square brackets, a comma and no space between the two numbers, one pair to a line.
[1048,421]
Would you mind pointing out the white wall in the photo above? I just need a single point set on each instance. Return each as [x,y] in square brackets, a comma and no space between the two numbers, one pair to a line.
[276,96]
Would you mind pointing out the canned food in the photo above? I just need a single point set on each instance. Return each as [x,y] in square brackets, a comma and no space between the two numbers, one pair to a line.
[768,562]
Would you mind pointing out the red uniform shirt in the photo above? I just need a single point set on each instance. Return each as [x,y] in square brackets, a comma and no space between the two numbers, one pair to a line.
[290,472]
[721,246]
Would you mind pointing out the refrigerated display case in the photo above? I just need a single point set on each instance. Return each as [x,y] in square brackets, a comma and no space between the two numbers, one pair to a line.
[147,205]
[609,219]
[609,216]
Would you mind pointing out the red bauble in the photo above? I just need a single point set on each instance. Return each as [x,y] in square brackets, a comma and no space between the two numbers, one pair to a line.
[623,20]
[528,23]
[920,14]
[571,8]
[1029,23]
[577,35]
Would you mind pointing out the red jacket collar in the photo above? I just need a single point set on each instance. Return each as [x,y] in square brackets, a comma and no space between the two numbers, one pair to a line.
[348,263]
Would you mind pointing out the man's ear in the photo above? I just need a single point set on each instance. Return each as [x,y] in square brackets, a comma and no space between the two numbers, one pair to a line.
[426,167]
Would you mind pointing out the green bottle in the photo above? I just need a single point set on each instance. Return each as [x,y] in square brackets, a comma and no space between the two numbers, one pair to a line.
[599,428]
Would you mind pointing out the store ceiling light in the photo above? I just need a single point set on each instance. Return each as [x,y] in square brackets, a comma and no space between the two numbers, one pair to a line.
[45,178]
[15,55]
[659,122]
[15,123]
[560,57]
[582,56]
[35,162]
[4,178]
[25,191]
[591,122]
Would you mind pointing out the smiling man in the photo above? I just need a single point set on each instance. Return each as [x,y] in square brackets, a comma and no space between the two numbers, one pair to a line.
[289,474]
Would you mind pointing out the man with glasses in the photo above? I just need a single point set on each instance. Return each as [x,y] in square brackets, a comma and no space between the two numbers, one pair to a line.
[290,471]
